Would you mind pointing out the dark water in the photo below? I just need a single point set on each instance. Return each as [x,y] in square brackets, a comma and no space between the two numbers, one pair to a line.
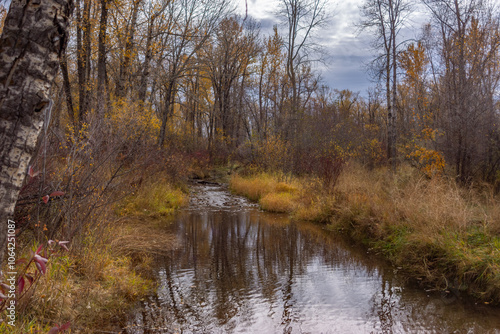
[240,270]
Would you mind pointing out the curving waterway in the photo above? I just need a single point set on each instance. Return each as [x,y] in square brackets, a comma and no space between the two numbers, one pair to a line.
[241,270]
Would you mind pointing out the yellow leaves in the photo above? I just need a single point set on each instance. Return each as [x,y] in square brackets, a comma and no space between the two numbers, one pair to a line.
[340,151]
[374,150]
[413,60]
[134,120]
[272,152]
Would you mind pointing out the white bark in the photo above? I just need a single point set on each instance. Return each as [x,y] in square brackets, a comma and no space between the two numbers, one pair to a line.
[32,41]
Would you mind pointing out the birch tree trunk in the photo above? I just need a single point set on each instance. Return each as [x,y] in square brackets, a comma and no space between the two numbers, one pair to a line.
[33,39]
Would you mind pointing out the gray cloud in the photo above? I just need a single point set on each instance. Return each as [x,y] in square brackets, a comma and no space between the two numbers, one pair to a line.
[348,50]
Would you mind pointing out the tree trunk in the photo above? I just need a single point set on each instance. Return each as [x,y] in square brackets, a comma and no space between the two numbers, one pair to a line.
[83,58]
[80,55]
[33,40]
[67,88]
[143,87]
[394,89]
[101,59]
[124,80]
[167,111]
[87,31]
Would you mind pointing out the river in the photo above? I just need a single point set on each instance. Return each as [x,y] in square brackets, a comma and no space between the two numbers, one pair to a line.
[241,270]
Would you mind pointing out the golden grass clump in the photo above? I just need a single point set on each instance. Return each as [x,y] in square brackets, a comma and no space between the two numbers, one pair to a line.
[273,195]
[281,202]
[254,187]
[158,198]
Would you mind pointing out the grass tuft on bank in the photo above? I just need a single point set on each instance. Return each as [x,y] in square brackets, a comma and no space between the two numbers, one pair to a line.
[154,198]
[272,194]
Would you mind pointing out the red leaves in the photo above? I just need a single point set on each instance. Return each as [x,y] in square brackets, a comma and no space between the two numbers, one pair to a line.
[20,284]
[59,329]
[62,244]
[53,194]
[41,263]
[30,278]
[57,193]
[31,172]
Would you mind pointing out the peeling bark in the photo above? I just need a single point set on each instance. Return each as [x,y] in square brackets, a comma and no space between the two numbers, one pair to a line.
[32,42]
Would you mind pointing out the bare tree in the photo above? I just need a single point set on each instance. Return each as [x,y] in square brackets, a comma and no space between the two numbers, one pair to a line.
[83,55]
[127,55]
[301,19]
[101,58]
[467,79]
[227,58]
[33,40]
[190,24]
[386,18]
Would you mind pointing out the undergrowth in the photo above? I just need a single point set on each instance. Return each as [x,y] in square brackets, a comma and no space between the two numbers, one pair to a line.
[107,269]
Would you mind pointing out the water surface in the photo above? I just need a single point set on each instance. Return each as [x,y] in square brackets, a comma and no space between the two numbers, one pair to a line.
[240,270]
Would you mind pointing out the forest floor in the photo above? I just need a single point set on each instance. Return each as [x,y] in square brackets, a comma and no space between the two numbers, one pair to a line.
[442,235]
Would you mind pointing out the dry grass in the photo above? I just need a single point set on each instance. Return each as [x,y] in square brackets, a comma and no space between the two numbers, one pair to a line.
[108,269]
[434,228]
[254,187]
[273,195]
[154,198]
[281,202]
[426,206]
[90,286]
[135,236]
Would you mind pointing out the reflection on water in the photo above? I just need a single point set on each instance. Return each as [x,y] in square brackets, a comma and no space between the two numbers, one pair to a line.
[239,270]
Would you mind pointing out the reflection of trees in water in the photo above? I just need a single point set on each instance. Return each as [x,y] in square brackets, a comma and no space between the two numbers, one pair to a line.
[229,261]
[383,305]
[234,256]
[401,310]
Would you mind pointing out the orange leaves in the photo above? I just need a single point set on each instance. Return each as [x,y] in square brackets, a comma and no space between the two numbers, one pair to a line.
[413,60]
[373,149]
[428,161]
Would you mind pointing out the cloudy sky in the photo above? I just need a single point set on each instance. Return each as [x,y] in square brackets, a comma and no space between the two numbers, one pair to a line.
[348,49]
